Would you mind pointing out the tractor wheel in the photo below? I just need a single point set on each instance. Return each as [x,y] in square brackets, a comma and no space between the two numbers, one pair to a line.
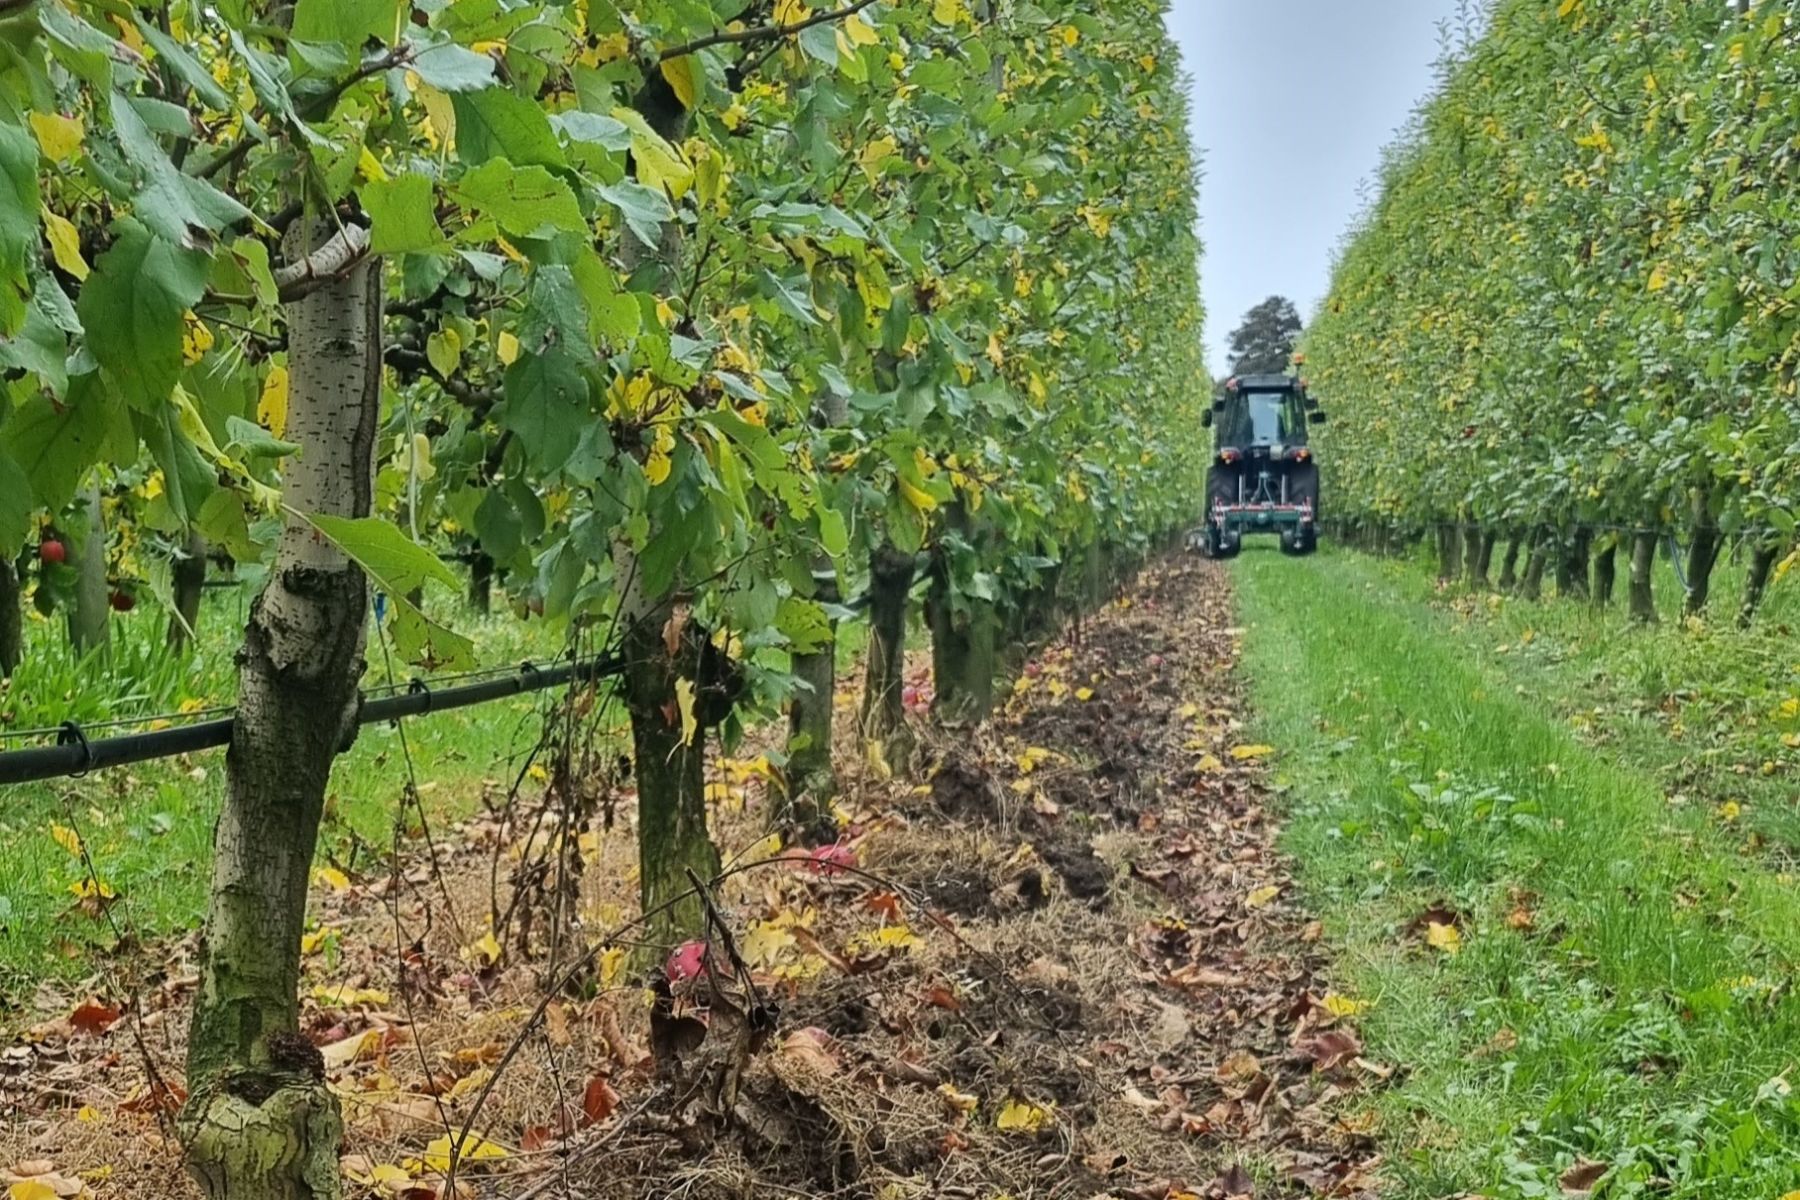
[1221,487]
[1303,485]
[1301,543]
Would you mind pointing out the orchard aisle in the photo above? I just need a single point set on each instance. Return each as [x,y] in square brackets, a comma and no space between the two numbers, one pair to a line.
[1064,961]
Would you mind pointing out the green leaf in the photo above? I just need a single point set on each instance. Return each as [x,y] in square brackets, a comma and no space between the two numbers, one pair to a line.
[526,201]
[250,440]
[54,444]
[395,562]
[18,200]
[401,209]
[833,536]
[644,210]
[546,407]
[185,66]
[15,507]
[452,68]
[173,204]
[132,308]
[500,123]
[425,643]
[349,22]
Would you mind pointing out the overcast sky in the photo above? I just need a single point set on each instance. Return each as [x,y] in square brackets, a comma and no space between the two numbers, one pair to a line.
[1293,101]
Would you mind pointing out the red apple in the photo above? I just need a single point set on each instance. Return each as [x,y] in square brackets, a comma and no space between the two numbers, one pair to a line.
[52,551]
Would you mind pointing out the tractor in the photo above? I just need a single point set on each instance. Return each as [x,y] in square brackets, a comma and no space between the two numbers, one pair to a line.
[1264,478]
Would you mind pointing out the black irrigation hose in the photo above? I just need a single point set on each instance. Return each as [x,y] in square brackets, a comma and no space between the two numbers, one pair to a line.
[75,754]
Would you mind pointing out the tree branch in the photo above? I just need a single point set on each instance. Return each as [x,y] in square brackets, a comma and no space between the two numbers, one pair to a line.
[345,248]
[761,33]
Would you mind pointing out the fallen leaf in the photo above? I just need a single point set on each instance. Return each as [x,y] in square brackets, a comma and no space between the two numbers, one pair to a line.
[1443,937]
[598,1100]
[1261,897]
[1249,753]
[1022,1116]
[1580,1179]
[94,1018]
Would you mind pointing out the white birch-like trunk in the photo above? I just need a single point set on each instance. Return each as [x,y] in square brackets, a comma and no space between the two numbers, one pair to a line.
[260,1121]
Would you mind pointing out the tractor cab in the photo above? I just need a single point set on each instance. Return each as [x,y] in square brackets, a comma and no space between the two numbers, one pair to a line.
[1264,478]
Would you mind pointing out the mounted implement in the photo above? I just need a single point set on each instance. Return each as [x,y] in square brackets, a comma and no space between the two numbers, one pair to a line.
[1264,478]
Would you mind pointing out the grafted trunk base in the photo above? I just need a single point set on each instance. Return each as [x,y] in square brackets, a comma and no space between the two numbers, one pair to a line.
[283,1146]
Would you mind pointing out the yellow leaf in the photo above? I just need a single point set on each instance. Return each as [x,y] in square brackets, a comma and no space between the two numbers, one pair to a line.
[1262,897]
[948,12]
[1567,7]
[196,340]
[1070,35]
[859,31]
[917,498]
[1084,694]
[1248,753]
[791,12]
[1022,1116]
[1659,279]
[1443,937]
[67,838]
[1209,762]
[272,408]
[960,1101]
[612,963]
[1188,712]
[345,996]
[508,348]
[59,137]
[312,943]
[31,1189]
[681,74]
[486,948]
[1731,810]
[369,168]
[332,878]
[1342,1006]
[476,1149]
[65,244]
[684,699]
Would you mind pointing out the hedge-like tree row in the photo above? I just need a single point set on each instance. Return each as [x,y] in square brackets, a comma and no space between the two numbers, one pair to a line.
[1566,328]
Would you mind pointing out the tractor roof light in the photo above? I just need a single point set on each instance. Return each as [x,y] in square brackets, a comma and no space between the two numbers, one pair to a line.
[1229,456]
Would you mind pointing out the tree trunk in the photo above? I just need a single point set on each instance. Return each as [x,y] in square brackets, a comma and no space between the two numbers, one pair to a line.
[260,1121]
[1509,566]
[1572,564]
[12,619]
[962,640]
[669,762]
[1532,586]
[88,618]
[1642,600]
[1450,547]
[481,583]
[1606,573]
[189,579]
[810,777]
[883,719]
[1703,555]
[1756,580]
[670,766]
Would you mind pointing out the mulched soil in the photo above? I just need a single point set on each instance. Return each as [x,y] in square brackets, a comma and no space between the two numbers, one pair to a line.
[1067,961]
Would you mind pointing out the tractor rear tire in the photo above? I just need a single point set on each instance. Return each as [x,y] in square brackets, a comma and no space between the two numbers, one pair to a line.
[1221,488]
[1303,486]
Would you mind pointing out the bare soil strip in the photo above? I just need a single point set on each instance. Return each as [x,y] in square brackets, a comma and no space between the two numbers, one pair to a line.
[1067,963]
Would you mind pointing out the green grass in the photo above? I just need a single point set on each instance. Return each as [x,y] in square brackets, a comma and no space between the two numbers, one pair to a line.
[1648,1019]
[148,828]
